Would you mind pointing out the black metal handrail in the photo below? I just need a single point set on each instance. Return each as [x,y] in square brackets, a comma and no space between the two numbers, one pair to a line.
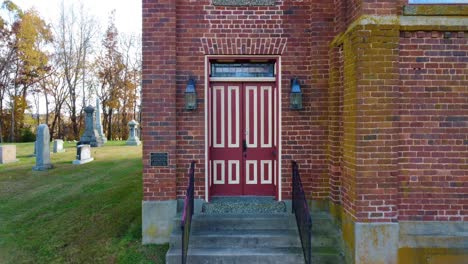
[301,210]
[188,212]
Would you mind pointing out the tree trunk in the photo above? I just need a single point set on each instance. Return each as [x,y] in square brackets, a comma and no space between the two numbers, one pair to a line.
[60,134]
[74,127]
[73,117]
[105,124]
[124,125]
[1,121]
[54,123]
[109,124]
[47,110]
[12,128]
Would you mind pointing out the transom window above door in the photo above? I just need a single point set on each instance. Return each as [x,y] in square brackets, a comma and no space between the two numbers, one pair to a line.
[243,70]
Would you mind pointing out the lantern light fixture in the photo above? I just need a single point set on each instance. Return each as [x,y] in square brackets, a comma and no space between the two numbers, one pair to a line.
[191,95]
[296,95]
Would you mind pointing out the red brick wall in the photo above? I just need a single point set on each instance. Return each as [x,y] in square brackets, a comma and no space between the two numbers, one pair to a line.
[304,30]
[377,124]
[433,181]
[158,97]
[404,147]
[380,7]
[348,11]
[335,123]
[363,157]
[385,134]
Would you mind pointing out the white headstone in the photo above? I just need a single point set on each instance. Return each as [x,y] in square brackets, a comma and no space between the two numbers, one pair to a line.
[42,149]
[83,154]
[58,146]
[7,154]
[133,139]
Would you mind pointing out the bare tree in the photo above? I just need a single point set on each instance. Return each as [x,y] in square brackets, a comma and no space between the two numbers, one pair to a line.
[130,47]
[74,35]
[110,68]
[55,92]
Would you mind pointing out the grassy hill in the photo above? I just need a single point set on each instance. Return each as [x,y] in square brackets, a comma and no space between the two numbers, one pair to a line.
[74,214]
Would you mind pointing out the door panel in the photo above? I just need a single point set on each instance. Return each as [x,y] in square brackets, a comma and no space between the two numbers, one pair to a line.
[233,109]
[225,151]
[259,132]
[242,139]
[251,119]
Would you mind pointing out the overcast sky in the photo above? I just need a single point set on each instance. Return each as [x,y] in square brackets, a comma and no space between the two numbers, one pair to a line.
[128,12]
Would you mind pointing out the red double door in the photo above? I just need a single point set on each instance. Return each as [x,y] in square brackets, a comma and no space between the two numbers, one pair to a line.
[243,139]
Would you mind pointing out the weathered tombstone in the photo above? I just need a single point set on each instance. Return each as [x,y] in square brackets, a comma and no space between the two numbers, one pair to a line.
[8,154]
[42,149]
[90,136]
[98,121]
[83,154]
[58,146]
[133,139]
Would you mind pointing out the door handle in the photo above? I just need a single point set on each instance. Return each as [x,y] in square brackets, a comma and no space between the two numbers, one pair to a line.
[244,145]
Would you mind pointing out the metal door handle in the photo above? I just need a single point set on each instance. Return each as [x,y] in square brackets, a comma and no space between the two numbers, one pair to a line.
[244,145]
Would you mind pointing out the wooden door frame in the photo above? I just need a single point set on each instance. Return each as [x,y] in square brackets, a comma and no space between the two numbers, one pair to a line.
[277,80]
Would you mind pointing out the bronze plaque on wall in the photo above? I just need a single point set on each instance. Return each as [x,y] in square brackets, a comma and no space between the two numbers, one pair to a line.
[159,159]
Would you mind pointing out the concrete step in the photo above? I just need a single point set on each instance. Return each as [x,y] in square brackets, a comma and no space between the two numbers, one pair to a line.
[253,255]
[323,224]
[292,255]
[240,238]
[242,222]
[255,238]
[251,238]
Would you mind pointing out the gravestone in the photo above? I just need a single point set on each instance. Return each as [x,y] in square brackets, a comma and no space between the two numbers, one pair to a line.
[83,154]
[98,123]
[8,154]
[58,146]
[43,149]
[133,139]
[90,136]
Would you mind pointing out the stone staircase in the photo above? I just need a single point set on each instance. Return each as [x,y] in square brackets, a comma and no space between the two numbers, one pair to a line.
[253,230]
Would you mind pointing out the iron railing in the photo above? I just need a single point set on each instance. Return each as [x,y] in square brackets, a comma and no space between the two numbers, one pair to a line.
[187,213]
[301,209]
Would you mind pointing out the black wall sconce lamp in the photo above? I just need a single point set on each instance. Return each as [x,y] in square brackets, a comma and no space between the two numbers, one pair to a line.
[191,95]
[296,95]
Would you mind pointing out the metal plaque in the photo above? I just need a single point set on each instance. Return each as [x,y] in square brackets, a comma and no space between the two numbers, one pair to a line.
[159,159]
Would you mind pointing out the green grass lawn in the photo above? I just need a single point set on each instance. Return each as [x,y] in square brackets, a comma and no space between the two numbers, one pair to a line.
[74,214]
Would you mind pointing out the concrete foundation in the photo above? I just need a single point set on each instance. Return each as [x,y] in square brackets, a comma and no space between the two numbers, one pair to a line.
[406,242]
[376,243]
[158,221]
[433,242]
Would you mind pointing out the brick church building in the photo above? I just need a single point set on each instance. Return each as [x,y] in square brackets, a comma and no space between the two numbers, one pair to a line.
[370,98]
